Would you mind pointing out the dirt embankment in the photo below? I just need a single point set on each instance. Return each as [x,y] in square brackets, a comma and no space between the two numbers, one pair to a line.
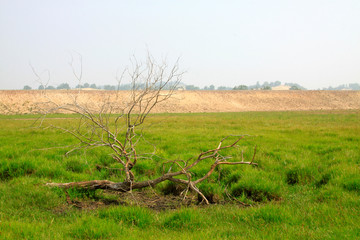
[24,102]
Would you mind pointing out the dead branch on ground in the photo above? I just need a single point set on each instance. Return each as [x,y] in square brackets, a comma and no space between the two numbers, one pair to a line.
[114,122]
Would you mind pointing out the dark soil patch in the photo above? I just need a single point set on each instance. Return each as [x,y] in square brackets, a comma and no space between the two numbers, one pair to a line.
[157,201]
[144,198]
[149,199]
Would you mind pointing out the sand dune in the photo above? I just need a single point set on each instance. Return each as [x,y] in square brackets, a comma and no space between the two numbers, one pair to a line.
[25,101]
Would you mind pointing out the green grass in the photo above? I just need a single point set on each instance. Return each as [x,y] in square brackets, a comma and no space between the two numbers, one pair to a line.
[307,185]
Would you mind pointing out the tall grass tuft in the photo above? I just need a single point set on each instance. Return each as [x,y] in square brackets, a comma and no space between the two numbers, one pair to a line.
[93,228]
[130,215]
[352,184]
[184,219]
[16,168]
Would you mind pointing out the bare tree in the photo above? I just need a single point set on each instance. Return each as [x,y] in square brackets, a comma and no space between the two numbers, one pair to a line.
[116,121]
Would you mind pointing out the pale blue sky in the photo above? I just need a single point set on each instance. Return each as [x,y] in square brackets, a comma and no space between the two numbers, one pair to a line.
[315,43]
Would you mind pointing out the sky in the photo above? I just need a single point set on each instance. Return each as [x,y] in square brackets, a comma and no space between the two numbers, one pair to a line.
[315,43]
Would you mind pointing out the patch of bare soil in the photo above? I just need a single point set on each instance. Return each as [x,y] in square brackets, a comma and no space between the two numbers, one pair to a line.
[148,199]
[28,101]
[156,201]
[145,198]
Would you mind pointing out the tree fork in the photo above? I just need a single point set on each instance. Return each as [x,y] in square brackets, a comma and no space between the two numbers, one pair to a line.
[151,83]
[129,185]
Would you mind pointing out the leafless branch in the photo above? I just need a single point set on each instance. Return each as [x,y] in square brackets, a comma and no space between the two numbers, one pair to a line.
[116,123]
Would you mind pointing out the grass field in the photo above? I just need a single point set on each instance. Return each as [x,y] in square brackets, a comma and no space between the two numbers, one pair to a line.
[307,184]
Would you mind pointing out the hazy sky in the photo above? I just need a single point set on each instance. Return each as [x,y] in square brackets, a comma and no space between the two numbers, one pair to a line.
[315,43]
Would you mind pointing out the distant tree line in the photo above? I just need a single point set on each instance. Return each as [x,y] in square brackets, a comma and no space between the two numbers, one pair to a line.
[211,87]
[63,86]
[257,86]
[94,86]
[268,86]
[350,86]
[123,87]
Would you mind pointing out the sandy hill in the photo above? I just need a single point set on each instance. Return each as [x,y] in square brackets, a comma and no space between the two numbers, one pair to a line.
[24,101]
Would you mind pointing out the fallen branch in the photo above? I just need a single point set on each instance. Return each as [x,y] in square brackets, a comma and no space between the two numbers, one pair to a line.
[113,123]
[127,186]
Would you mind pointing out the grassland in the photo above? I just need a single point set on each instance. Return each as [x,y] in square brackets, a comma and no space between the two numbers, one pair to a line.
[307,185]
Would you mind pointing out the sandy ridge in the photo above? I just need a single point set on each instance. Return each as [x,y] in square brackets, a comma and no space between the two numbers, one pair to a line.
[25,101]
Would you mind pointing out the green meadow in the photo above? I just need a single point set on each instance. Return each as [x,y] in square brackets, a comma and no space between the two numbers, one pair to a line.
[306,184]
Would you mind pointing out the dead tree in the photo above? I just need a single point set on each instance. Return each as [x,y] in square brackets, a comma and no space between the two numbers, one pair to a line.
[113,124]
